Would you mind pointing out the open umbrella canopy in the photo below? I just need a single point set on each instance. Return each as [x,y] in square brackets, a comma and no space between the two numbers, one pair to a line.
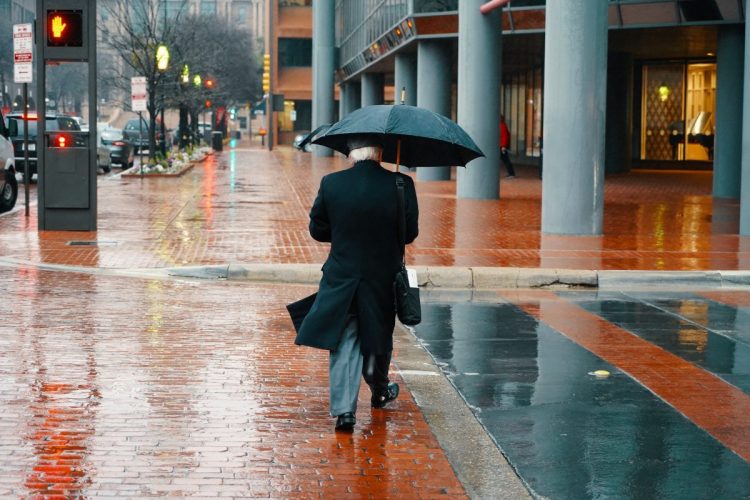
[427,139]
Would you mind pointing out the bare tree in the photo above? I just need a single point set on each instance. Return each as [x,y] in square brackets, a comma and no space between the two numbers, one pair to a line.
[220,53]
[208,46]
[134,30]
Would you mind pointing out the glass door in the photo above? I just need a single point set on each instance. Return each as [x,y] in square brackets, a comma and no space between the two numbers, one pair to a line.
[678,106]
[662,127]
[700,110]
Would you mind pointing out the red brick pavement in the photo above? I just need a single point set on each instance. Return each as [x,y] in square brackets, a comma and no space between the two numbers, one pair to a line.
[250,206]
[139,388]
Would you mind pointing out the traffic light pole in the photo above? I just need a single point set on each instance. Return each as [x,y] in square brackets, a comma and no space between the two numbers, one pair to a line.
[66,160]
[26,169]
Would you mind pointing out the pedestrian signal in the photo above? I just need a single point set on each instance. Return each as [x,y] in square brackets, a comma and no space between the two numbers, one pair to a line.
[64,28]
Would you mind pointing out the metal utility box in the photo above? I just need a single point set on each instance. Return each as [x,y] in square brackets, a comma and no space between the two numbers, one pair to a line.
[67,160]
[67,172]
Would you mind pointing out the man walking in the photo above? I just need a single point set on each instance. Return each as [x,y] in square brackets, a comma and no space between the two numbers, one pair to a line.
[504,145]
[353,313]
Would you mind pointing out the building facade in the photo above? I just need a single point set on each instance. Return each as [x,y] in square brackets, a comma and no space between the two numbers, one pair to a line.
[288,42]
[586,87]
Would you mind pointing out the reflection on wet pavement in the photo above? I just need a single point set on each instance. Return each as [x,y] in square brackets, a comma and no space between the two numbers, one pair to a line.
[709,334]
[251,206]
[135,387]
[572,435]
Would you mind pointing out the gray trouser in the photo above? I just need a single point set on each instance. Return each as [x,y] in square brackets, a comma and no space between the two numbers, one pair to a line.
[345,370]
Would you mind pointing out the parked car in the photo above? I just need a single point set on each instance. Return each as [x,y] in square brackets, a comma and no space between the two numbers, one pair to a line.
[103,160]
[8,183]
[120,151]
[83,126]
[137,134]
[15,128]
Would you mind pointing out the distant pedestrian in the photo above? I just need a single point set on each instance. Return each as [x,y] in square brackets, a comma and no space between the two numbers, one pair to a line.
[353,314]
[504,148]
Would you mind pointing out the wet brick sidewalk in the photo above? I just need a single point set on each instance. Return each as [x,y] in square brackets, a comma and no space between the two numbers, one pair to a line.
[251,206]
[134,387]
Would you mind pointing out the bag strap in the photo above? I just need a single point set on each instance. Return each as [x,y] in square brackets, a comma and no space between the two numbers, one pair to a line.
[401,217]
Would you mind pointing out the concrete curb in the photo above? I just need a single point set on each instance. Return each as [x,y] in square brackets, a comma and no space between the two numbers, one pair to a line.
[484,278]
[672,279]
[431,277]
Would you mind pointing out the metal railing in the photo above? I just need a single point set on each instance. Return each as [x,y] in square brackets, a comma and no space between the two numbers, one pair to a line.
[359,23]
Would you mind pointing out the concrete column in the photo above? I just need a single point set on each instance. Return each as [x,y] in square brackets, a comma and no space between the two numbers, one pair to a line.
[745,158]
[575,88]
[405,77]
[479,77]
[434,92]
[344,90]
[324,50]
[372,89]
[728,138]
[350,98]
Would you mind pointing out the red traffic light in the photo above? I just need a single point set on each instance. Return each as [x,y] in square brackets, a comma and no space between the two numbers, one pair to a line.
[208,103]
[64,28]
[210,83]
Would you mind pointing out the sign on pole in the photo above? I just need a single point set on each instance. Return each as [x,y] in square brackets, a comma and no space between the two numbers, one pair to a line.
[138,93]
[23,52]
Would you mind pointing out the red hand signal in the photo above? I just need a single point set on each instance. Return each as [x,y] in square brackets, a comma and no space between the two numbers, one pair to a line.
[58,26]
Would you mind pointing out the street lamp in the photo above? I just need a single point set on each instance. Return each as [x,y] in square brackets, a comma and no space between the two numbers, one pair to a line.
[162,64]
[162,58]
[185,75]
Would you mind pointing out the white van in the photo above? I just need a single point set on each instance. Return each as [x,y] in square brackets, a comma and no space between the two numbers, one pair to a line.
[8,183]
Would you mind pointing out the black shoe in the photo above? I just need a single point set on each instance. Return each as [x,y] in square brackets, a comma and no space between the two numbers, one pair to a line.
[382,398]
[345,422]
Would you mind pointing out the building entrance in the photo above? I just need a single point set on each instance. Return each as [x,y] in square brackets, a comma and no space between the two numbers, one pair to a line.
[677,107]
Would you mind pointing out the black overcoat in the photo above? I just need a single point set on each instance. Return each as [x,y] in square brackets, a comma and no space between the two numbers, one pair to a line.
[355,210]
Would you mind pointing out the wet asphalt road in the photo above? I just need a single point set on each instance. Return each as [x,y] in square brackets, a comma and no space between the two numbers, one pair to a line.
[529,379]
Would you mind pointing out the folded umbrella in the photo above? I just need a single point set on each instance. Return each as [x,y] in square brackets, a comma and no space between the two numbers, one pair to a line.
[410,136]
[309,137]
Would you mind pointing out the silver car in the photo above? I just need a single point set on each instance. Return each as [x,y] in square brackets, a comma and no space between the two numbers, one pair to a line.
[8,183]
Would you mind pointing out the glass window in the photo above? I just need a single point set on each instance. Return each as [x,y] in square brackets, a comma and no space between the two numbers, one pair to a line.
[527,3]
[173,8]
[700,105]
[242,13]
[435,5]
[295,3]
[645,14]
[208,7]
[295,52]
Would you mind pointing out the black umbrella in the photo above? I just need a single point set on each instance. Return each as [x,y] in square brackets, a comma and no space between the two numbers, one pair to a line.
[309,137]
[410,136]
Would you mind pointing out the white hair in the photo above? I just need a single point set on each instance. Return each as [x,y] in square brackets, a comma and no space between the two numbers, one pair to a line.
[366,153]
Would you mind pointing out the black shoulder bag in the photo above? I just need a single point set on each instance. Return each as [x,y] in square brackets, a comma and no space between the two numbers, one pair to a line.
[408,308]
